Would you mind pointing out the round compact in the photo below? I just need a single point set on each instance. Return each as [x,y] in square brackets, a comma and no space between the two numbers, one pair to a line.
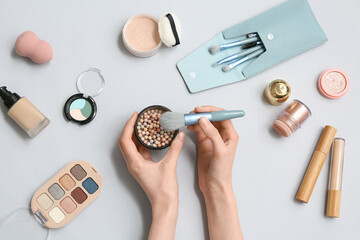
[333,83]
[81,107]
[143,35]
[148,130]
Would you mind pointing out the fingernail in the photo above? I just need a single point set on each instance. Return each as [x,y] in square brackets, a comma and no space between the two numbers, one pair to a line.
[204,121]
[181,135]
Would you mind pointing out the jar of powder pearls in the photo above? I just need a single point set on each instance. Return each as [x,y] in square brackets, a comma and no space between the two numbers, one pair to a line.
[148,130]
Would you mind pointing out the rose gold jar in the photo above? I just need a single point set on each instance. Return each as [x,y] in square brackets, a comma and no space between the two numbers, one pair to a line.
[291,119]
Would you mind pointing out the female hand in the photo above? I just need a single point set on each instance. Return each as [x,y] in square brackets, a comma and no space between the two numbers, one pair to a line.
[158,179]
[217,144]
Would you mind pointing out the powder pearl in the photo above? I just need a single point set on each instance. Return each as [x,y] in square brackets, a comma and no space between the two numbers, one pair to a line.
[149,131]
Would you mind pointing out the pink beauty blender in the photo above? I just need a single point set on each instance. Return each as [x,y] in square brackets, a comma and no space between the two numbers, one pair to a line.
[29,45]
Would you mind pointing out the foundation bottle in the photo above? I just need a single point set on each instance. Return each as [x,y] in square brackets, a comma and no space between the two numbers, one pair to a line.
[24,113]
[335,179]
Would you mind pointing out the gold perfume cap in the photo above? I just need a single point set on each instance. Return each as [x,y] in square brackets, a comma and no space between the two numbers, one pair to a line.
[277,92]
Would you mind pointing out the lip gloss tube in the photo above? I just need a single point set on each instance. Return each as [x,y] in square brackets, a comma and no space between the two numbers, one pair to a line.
[316,163]
[335,178]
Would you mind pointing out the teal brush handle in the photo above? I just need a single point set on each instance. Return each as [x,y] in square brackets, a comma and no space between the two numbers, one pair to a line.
[193,118]
[226,115]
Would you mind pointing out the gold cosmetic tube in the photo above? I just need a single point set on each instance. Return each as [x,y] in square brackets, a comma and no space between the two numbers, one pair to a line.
[316,163]
[335,178]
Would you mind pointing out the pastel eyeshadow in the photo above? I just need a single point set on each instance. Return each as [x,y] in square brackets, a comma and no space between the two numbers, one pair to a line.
[44,201]
[57,215]
[56,191]
[90,185]
[80,109]
[79,195]
[78,172]
[67,182]
[68,205]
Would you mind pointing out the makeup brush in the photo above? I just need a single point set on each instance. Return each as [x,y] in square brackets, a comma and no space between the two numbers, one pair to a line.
[236,56]
[171,121]
[216,49]
[250,45]
[234,64]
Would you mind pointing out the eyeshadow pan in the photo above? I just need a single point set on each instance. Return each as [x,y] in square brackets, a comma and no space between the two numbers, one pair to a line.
[78,172]
[79,195]
[68,205]
[67,182]
[56,191]
[90,185]
[44,201]
[57,215]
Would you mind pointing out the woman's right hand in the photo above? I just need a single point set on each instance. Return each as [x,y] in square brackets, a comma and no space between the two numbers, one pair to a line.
[217,143]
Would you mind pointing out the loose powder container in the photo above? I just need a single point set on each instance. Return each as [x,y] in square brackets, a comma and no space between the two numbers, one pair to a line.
[291,119]
[277,92]
[148,130]
[143,34]
[333,83]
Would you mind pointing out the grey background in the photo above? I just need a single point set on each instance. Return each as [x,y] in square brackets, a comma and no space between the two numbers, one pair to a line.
[268,168]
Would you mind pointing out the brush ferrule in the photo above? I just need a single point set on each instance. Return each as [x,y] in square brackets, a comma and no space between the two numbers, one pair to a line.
[238,43]
[193,118]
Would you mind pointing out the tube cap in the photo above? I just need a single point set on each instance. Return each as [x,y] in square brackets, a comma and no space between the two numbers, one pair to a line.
[9,98]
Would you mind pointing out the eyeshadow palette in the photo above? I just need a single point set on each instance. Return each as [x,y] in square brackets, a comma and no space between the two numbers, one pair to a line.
[80,108]
[66,194]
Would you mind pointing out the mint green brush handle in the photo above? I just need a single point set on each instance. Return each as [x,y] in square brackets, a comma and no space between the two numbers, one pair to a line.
[193,118]
[226,115]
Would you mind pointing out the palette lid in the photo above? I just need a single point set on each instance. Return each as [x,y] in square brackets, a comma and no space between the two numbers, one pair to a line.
[169,29]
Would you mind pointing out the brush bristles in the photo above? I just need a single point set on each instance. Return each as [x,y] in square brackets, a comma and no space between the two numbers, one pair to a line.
[215,64]
[226,68]
[214,49]
[172,121]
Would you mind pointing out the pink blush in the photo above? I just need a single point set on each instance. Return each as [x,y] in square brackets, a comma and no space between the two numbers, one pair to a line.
[141,33]
[333,83]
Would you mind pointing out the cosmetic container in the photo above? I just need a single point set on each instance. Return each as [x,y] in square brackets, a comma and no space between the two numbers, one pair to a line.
[24,113]
[148,130]
[333,83]
[335,178]
[292,118]
[143,35]
[316,163]
[277,92]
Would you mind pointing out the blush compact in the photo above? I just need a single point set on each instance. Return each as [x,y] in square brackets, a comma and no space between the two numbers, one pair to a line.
[333,83]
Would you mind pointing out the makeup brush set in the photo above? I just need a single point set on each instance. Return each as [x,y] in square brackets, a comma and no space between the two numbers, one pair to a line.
[252,46]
